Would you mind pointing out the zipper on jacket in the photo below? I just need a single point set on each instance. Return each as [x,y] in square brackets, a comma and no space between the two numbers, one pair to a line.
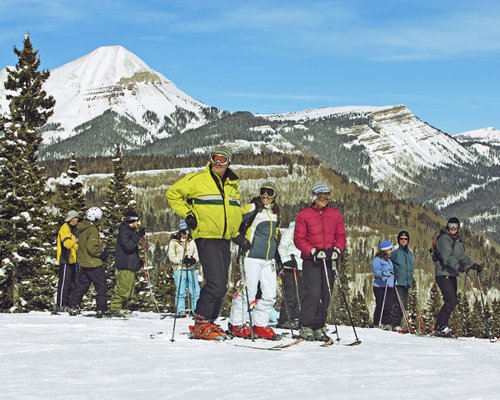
[220,186]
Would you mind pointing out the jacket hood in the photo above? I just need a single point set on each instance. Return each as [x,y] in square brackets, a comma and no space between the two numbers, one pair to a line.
[84,225]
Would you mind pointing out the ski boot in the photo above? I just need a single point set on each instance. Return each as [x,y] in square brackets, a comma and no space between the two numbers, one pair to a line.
[242,331]
[306,333]
[207,331]
[445,331]
[320,335]
[75,310]
[264,332]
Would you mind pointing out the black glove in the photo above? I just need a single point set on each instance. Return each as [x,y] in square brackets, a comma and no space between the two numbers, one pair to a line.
[189,261]
[104,255]
[320,255]
[477,267]
[293,263]
[463,267]
[243,242]
[141,232]
[336,253]
[191,221]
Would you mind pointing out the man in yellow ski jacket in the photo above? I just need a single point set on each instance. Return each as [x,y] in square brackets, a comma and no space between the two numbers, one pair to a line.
[67,246]
[209,201]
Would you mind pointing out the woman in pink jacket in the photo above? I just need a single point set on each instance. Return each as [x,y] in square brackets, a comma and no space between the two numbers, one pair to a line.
[320,236]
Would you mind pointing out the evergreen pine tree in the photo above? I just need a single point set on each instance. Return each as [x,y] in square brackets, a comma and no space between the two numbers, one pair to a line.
[119,199]
[27,280]
[342,280]
[461,318]
[434,305]
[70,190]
[360,313]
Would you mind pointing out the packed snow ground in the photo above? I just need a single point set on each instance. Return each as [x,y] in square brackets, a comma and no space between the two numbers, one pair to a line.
[61,357]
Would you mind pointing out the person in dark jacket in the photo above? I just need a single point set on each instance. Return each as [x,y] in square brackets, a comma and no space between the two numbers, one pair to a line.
[320,236]
[404,265]
[451,261]
[67,246]
[90,260]
[383,285]
[127,262]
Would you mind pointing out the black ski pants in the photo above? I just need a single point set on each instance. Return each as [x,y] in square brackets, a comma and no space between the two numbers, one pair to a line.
[86,276]
[397,312]
[67,280]
[215,257]
[289,287]
[315,297]
[448,287]
[379,293]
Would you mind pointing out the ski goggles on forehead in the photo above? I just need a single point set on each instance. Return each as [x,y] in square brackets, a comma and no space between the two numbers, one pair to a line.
[453,226]
[219,159]
[267,192]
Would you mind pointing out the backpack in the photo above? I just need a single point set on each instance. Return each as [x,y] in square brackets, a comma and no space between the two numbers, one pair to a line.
[433,251]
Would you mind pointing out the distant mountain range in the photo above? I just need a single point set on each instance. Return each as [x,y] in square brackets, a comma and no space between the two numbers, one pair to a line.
[111,96]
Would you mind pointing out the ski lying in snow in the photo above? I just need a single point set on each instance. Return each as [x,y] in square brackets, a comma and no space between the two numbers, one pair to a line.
[355,343]
[328,343]
[272,348]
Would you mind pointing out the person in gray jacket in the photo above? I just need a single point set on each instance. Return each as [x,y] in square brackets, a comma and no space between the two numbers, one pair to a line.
[451,260]
[404,265]
[127,262]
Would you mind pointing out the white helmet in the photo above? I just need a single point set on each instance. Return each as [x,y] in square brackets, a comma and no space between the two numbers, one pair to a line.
[94,214]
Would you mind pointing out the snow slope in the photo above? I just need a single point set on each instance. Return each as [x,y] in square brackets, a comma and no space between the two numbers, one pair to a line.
[48,357]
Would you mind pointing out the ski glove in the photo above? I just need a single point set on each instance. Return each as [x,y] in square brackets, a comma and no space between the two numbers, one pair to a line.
[141,232]
[104,255]
[463,267]
[191,221]
[387,274]
[319,255]
[189,261]
[477,267]
[241,241]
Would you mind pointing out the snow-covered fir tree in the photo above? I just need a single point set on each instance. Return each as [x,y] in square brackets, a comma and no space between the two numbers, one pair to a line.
[26,278]
[119,199]
[70,190]
[434,304]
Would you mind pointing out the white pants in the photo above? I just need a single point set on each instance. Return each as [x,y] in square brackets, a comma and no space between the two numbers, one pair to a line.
[256,270]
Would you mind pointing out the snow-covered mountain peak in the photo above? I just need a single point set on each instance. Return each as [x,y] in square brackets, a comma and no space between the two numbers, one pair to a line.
[111,78]
[487,135]
[105,66]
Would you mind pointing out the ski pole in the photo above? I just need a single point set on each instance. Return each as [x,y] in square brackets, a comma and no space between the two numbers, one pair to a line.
[383,304]
[243,276]
[357,341]
[405,313]
[178,290]
[330,302]
[421,320]
[296,283]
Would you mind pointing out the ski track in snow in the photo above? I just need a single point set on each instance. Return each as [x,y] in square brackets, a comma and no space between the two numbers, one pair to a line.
[60,357]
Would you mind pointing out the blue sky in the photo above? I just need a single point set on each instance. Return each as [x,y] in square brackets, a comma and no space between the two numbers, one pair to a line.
[439,58]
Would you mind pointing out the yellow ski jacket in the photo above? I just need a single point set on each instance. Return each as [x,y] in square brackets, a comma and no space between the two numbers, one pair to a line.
[67,244]
[215,204]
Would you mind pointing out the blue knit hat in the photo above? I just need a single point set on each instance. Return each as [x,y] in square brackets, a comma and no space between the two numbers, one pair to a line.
[182,225]
[385,245]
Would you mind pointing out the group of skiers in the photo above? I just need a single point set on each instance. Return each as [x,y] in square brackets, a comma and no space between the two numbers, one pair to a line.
[81,256]
[304,260]
[393,271]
